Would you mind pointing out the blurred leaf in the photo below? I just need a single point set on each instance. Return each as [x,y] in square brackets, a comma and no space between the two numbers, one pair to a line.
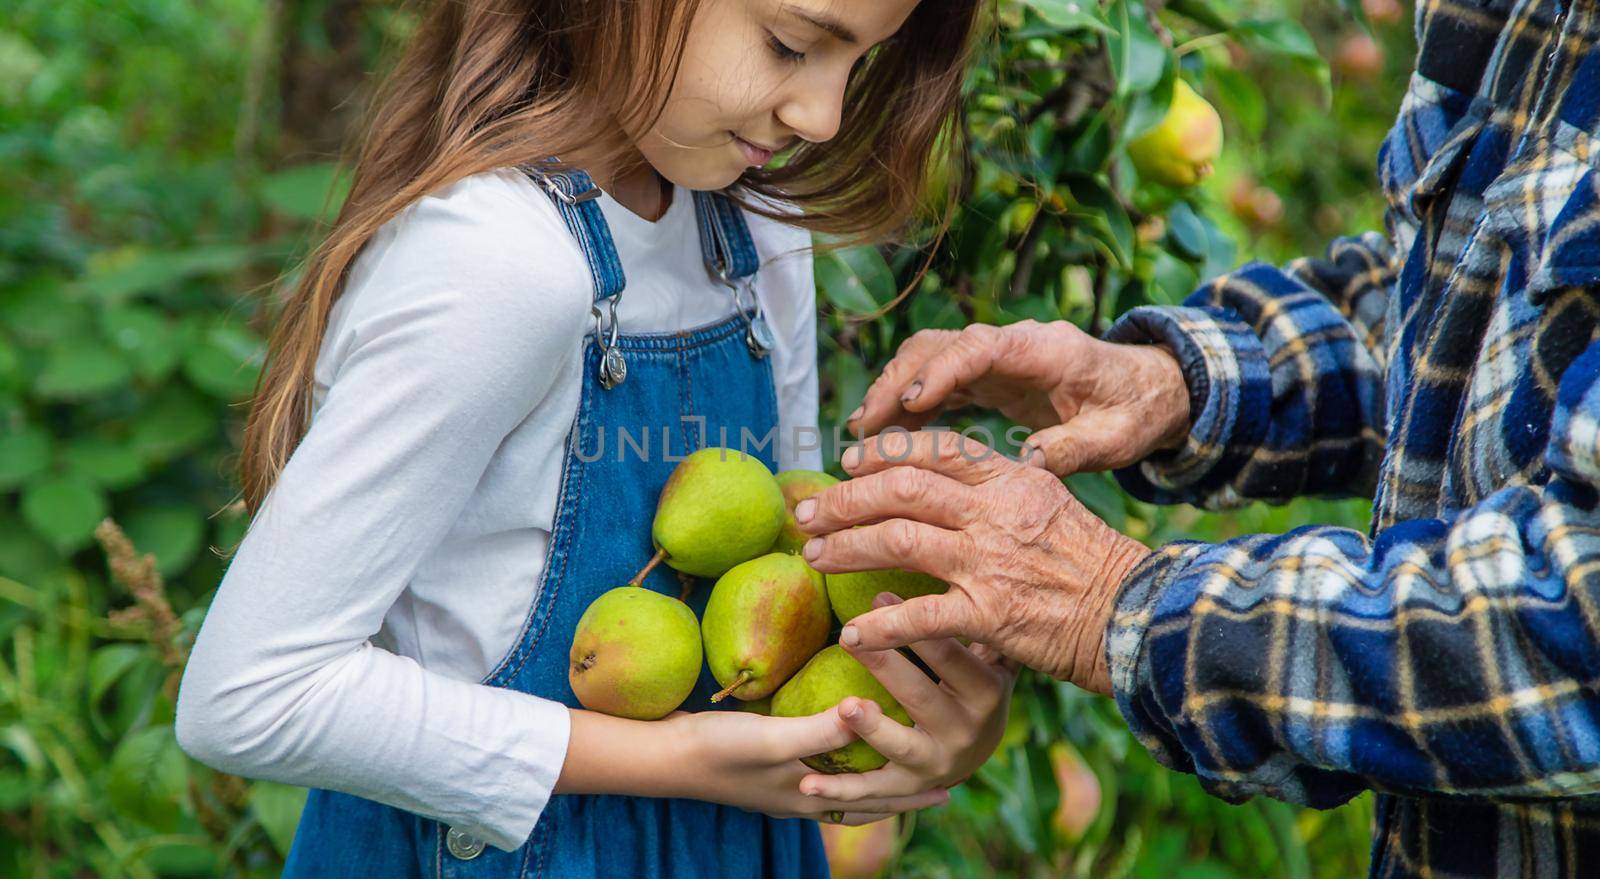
[103,461]
[278,808]
[855,279]
[108,664]
[1138,58]
[170,424]
[1186,232]
[1070,15]
[1201,11]
[80,367]
[24,452]
[64,510]
[148,777]
[24,555]
[225,361]
[1098,492]
[171,532]
[130,271]
[145,336]
[306,192]
[1240,98]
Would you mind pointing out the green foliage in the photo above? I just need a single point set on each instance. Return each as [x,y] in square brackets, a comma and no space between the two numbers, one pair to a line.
[163,169]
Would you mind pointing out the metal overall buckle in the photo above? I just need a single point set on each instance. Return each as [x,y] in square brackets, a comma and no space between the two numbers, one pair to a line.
[613,366]
[757,335]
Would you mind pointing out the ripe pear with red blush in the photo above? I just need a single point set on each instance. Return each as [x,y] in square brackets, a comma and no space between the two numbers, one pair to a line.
[764,619]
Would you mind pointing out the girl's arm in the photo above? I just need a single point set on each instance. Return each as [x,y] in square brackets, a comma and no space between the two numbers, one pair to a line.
[731,757]
[460,320]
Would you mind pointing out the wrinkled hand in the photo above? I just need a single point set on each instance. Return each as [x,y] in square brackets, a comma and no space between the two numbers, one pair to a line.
[1092,405]
[1032,573]
[958,719]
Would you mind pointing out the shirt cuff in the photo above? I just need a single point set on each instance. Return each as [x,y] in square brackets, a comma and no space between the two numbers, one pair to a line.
[517,792]
[1133,683]
[1230,398]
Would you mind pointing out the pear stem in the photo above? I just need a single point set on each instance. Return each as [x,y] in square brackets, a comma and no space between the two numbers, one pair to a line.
[686,587]
[743,678]
[648,567]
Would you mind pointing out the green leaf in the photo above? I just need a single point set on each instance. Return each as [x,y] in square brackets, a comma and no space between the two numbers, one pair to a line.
[37,310]
[24,555]
[1106,216]
[172,533]
[10,365]
[1098,492]
[108,664]
[1070,15]
[855,279]
[80,367]
[278,808]
[1185,231]
[129,271]
[306,192]
[1285,37]
[105,462]
[171,424]
[145,336]
[1240,97]
[226,361]
[148,777]
[1138,59]
[24,452]
[1279,36]
[65,511]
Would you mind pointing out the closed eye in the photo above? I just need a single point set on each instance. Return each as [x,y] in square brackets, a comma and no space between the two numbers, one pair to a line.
[782,50]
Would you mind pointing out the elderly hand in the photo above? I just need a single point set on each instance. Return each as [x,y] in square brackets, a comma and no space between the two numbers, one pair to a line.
[1093,405]
[959,720]
[1032,573]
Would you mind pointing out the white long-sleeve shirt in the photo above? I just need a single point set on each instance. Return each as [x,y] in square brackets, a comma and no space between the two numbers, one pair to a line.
[392,565]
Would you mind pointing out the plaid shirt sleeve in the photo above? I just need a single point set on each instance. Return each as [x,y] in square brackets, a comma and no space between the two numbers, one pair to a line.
[1448,656]
[1285,374]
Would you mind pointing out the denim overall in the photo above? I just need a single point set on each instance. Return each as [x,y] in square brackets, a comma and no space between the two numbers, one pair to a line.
[656,388]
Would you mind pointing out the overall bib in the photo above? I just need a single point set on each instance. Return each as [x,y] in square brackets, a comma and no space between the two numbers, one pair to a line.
[648,400]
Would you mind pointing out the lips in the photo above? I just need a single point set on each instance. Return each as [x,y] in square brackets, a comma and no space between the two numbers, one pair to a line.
[755,155]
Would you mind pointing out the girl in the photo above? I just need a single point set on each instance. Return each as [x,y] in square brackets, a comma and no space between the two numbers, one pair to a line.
[453,375]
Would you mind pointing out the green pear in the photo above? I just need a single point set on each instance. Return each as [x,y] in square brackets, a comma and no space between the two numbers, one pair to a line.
[719,508]
[851,593]
[764,619]
[824,682]
[1182,148]
[797,485]
[635,653]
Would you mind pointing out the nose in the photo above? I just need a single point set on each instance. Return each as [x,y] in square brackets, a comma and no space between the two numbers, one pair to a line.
[812,109]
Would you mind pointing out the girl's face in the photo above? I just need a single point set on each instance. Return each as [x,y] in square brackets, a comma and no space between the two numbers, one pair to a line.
[756,76]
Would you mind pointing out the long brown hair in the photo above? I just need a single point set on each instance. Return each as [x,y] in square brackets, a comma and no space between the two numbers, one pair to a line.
[487,84]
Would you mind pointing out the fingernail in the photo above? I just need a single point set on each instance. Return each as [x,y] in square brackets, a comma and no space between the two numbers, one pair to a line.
[884,599]
[813,548]
[809,791]
[912,392]
[852,712]
[850,637]
[804,509]
[852,457]
[856,414]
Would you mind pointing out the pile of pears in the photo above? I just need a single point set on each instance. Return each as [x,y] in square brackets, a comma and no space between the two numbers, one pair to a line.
[769,624]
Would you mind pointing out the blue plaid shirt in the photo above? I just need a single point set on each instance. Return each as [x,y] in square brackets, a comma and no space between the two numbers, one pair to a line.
[1450,657]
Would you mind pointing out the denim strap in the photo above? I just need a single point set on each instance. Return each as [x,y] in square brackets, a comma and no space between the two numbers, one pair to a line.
[574,193]
[725,240]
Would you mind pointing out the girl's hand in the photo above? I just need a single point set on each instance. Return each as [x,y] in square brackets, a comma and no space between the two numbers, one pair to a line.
[748,760]
[959,720]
